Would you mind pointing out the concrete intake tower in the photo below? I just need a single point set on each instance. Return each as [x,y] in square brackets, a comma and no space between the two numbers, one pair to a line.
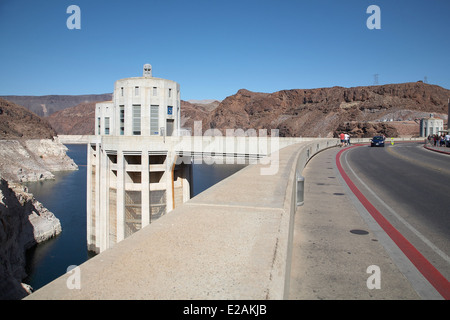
[132,178]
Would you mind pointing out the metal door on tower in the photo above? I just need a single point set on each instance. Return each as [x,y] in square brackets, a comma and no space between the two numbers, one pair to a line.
[169,127]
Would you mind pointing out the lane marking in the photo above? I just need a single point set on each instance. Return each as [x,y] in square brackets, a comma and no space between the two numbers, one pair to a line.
[437,280]
[417,162]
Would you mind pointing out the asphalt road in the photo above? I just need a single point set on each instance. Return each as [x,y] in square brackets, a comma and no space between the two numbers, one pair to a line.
[410,187]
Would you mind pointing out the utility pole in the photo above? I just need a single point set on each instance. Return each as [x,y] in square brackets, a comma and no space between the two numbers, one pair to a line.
[448,115]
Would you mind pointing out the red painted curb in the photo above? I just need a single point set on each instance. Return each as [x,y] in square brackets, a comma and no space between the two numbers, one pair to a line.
[428,148]
[437,280]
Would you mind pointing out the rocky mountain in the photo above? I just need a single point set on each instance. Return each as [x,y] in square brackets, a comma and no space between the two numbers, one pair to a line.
[29,150]
[78,120]
[195,110]
[44,106]
[211,102]
[17,122]
[325,111]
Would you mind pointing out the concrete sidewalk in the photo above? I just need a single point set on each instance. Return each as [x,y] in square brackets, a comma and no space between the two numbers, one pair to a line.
[333,245]
[439,149]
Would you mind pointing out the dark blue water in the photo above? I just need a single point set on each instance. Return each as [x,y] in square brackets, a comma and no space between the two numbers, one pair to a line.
[66,198]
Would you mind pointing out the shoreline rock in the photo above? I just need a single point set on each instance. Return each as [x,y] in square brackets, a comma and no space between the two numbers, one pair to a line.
[29,151]
[33,159]
[24,222]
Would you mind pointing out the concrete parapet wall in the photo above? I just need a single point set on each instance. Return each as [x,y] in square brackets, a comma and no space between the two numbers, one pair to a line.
[232,241]
[203,144]
[73,139]
[194,143]
[388,139]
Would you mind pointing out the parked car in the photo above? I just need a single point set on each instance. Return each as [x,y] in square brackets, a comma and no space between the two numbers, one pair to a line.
[377,141]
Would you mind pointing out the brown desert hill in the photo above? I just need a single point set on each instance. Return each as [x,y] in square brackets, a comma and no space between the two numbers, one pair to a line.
[16,122]
[194,111]
[44,106]
[80,119]
[323,111]
[77,120]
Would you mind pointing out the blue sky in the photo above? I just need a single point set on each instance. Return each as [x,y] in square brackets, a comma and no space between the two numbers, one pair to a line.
[214,48]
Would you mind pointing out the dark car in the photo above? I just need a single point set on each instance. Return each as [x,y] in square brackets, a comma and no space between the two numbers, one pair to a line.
[377,141]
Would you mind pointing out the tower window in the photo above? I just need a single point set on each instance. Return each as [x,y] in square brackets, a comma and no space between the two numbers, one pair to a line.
[136,91]
[136,120]
[154,120]
[122,120]
[107,126]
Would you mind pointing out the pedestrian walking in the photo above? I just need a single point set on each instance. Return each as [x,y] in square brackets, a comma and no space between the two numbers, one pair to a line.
[342,137]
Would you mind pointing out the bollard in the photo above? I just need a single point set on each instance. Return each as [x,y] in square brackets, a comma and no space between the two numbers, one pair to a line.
[300,190]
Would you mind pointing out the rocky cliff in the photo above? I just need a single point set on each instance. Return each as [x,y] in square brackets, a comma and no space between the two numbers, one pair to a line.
[33,159]
[44,106]
[80,119]
[17,122]
[24,222]
[325,111]
[300,112]
[77,120]
[28,152]
[196,110]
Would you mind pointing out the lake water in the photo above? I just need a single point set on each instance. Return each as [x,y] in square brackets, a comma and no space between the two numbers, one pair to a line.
[66,198]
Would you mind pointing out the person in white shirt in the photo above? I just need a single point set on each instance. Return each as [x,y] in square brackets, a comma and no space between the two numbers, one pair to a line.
[347,139]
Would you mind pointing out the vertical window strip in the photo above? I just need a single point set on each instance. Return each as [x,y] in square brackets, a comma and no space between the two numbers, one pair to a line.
[107,126]
[136,120]
[154,120]
[122,120]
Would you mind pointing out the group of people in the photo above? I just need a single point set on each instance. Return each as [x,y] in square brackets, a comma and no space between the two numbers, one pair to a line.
[345,139]
[439,140]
